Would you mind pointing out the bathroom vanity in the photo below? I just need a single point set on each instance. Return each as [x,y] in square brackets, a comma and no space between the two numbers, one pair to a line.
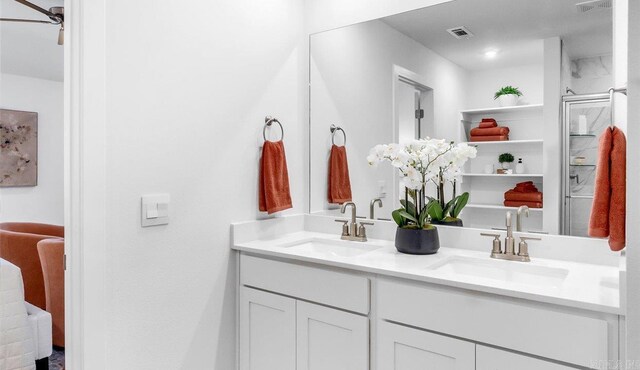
[308,300]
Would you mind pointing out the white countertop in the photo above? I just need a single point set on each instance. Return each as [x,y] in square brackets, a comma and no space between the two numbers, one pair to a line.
[584,286]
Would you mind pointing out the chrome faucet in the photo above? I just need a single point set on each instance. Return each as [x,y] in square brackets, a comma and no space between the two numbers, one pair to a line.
[350,229]
[509,241]
[372,209]
[521,209]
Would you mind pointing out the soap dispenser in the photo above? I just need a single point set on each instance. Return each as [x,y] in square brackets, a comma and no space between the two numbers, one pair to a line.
[520,166]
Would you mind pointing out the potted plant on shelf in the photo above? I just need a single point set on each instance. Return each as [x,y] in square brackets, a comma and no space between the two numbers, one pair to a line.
[508,96]
[419,163]
[505,160]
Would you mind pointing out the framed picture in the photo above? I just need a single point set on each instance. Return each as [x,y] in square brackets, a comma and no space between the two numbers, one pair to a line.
[18,148]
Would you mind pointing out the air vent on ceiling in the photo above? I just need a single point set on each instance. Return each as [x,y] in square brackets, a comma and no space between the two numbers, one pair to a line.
[589,6]
[460,33]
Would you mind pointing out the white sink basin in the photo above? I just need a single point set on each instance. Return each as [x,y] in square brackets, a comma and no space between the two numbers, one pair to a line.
[333,248]
[505,271]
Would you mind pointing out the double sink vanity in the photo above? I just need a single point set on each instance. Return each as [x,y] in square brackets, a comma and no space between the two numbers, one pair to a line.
[309,300]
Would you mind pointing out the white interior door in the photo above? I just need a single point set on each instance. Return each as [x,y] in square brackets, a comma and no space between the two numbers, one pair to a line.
[267,331]
[408,99]
[403,348]
[330,339]
[494,359]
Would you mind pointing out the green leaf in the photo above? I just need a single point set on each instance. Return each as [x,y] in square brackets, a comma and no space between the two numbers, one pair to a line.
[397,217]
[408,206]
[448,208]
[423,217]
[407,216]
[435,210]
[461,202]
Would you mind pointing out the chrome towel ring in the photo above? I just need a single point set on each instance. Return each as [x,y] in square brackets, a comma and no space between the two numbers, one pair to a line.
[333,130]
[268,121]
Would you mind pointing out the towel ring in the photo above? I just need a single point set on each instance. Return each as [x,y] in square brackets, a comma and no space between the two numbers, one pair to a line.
[333,130]
[268,121]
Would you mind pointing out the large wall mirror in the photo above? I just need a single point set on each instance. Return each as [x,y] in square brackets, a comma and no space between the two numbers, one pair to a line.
[434,72]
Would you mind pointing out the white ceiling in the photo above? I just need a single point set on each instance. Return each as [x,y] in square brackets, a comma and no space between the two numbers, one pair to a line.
[514,27]
[30,49]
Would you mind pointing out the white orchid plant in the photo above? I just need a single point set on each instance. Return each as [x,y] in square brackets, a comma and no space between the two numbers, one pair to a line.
[419,163]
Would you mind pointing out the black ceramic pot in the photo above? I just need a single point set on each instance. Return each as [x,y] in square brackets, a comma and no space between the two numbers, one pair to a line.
[456,222]
[417,241]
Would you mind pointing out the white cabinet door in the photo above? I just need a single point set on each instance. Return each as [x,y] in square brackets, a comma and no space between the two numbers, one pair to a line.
[330,339]
[267,331]
[494,359]
[403,348]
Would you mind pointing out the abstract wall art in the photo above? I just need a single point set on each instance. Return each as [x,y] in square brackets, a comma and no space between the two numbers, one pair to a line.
[18,148]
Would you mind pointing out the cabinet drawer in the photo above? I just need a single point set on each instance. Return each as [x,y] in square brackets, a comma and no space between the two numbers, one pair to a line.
[546,331]
[329,287]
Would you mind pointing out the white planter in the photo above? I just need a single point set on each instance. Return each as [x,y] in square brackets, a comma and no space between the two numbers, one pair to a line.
[508,100]
[505,165]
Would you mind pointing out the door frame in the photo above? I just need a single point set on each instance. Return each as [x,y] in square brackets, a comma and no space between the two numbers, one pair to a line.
[85,183]
[401,75]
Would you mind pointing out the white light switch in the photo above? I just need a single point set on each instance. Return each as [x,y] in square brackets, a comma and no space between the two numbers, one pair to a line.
[155,210]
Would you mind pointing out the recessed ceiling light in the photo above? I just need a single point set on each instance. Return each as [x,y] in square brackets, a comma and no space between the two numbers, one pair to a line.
[490,54]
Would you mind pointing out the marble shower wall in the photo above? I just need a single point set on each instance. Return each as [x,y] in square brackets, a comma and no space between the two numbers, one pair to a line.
[592,74]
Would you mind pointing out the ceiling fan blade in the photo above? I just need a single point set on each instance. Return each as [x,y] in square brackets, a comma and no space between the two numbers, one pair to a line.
[37,8]
[24,20]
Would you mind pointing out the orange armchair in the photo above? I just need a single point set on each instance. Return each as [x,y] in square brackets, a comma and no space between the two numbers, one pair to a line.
[51,253]
[19,245]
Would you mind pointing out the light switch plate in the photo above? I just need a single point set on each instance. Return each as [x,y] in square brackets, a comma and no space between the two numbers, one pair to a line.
[154,210]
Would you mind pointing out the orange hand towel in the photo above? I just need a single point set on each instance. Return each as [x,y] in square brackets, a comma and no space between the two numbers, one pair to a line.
[339,183]
[525,187]
[492,131]
[274,190]
[514,203]
[488,123]
[518,196]
[490,138]
[609,199]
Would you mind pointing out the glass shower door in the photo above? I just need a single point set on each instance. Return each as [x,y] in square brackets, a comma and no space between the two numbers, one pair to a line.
[585,118]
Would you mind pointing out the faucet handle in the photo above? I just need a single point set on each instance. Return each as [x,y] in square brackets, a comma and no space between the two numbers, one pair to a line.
[345,227]
[362,232]
[497,244]
[523,247]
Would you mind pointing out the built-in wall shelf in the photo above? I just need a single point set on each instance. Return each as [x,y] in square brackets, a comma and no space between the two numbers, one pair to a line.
[493,110]
[508,142]
[582,135]
[502,175]
[497,207]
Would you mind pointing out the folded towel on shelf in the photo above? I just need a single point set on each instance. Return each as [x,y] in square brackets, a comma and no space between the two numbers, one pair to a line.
[490,138]
[274,193]
[488,123]
[339,188]
[515,203]
[493,131]
[609,199]
[519,196]
[526,187]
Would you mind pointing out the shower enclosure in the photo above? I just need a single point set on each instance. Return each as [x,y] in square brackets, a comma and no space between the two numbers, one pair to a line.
[584,119]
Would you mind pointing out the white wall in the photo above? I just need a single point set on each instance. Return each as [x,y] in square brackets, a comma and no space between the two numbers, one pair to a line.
[483,84]
[352,86]
[632,291]
[44,202]
[187,91]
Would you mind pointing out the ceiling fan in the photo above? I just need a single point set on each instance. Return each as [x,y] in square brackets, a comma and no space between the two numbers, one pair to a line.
[55,14]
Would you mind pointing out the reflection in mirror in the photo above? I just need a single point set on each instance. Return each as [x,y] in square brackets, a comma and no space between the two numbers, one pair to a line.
[523,82]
